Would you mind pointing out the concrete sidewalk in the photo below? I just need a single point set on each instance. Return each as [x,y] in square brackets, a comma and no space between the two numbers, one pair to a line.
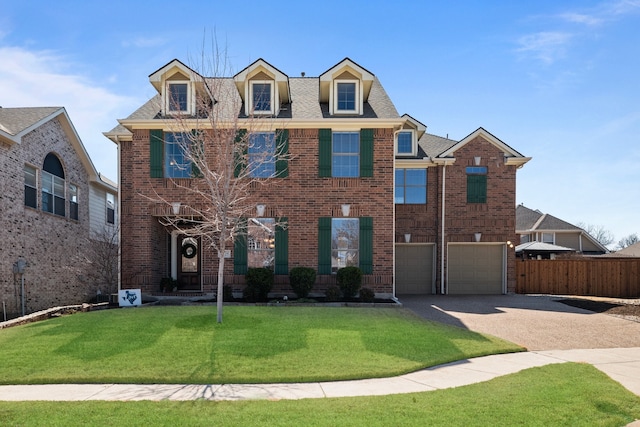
[621,364]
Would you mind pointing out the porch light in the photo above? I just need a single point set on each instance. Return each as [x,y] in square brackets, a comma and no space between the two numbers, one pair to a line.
[478,236]
[175,207]
[407,237]
[260,209]
[346,208]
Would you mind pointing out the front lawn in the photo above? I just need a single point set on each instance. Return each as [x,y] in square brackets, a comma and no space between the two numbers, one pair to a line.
[252,345]
[554,395]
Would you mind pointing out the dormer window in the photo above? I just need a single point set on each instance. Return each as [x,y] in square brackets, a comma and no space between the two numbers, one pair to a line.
[262,97]
[405,143]
[346,97]
[178,97]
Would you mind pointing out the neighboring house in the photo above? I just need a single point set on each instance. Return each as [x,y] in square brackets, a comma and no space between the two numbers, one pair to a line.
[534,226]
[50,190]
[348,148]
[632,251]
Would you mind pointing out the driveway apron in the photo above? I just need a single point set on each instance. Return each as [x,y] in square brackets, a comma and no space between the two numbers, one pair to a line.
[534,322]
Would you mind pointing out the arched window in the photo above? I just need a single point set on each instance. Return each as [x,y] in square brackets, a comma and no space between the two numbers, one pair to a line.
[53,185]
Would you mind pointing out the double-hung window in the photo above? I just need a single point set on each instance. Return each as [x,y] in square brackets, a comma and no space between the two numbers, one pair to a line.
[345,242]
[411,186]
[345,154]
[262,155]
[176,159]
[476,184]
[111,208]
[30,187]
[178,100]
[73,202]
[261,242]
[262,97]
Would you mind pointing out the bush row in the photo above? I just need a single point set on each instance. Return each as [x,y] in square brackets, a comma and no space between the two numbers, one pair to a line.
[302,279]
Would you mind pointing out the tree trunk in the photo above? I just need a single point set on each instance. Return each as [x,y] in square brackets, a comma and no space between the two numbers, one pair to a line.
[220,296]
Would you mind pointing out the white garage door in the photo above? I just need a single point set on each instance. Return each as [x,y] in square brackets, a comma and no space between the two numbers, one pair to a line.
[475,269]
[414,269]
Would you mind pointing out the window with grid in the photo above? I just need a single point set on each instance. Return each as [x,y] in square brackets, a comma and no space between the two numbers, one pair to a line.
[176,161]
[73,202]
[345,154]
[53,185]
[178,97]
[261,97]
[262,155]
[411,186]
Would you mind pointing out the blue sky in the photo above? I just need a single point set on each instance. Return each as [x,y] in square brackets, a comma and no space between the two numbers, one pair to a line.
[557,81]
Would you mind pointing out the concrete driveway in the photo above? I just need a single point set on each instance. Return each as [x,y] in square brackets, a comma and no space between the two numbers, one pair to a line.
[534,322]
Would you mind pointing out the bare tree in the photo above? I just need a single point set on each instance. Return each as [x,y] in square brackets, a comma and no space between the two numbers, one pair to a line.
[230,153]
[629,240]
[98,264]
[598,232]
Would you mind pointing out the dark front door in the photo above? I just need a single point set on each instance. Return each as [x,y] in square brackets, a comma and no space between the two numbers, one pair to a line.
[189,260]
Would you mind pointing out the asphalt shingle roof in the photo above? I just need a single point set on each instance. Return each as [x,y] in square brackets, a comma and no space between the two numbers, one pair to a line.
[15,120]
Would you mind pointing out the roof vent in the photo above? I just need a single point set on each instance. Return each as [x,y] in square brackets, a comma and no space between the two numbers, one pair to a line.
[302,74]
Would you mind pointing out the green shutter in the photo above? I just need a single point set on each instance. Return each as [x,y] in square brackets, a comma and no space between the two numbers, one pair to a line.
[156,153]
[282,247]
[197,152]
[240,249]
[282,153]
[366,152]
[240,158]
[366,245]
[324,245]
[324,153]
[476,188]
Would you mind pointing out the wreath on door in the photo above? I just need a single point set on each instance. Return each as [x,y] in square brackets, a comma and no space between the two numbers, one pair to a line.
[189,250]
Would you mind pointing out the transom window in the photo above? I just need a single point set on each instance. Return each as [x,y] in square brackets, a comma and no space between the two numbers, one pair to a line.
[345,154]
[261,242]
[262,151]
[411,186]
[345,242]
[405,143]
[178,97]
[476,184]
[261,96]
[30,187]
[346,96]
[53,185]
[176,161]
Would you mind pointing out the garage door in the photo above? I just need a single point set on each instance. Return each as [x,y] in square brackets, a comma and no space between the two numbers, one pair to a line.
[414,269]
[475,269]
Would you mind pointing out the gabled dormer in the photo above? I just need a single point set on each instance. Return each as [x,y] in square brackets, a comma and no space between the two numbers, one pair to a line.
[345,88]
[263,89]
[181,88]
[406,139]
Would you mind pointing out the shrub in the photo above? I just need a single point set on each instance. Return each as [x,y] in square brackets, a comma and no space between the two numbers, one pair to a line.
[227,293]
[259,283]
[367,295]
[349,281]
[302,280]
[333,293]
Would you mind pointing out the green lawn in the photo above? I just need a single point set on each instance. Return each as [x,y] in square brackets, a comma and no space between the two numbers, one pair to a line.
[252,345]
[554,395]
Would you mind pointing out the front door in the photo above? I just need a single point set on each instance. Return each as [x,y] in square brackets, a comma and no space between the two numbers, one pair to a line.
[189,260]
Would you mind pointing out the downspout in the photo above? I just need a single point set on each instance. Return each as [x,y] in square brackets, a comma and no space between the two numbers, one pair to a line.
[442,248]
[119,225]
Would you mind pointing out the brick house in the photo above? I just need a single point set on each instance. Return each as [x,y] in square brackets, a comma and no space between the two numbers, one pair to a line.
[348,147]
[52,200]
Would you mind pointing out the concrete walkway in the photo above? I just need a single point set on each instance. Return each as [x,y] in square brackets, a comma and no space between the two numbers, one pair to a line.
[621,364]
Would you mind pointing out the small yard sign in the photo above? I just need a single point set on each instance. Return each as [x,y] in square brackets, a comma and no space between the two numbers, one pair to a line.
[129,298]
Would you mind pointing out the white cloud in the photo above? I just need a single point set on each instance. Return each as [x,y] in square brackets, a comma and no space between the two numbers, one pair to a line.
[43,78]
[547,46]
[144,42]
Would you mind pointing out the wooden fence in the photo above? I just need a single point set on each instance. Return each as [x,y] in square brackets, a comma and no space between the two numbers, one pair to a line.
[604,277]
